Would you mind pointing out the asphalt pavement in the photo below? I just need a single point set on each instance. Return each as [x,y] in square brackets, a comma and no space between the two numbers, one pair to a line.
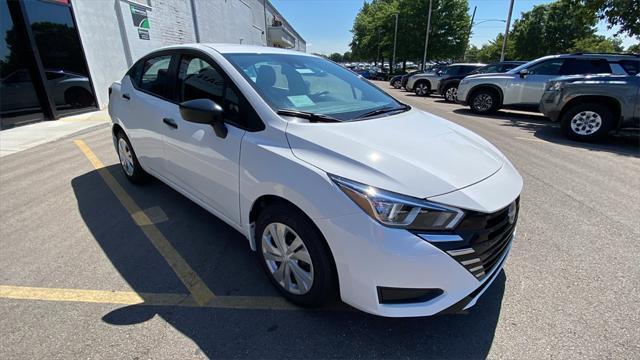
[92,266]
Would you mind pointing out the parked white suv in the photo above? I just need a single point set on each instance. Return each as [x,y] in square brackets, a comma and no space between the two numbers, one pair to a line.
[522,87]
[334,183]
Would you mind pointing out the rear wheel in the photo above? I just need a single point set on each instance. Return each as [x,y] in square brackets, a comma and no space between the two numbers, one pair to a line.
[422,88]
[450,93]
[129,161]
[295,256]
[396,84]
[587,122]
[484,101]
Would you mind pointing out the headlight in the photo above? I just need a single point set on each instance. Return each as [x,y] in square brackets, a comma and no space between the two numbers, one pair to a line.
[396,210]
[554,86]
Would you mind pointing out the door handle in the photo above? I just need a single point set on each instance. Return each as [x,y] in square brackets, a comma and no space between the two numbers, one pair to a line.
[126,96]
[170,122]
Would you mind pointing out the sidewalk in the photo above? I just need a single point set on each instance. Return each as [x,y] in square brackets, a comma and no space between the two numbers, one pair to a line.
[28,136]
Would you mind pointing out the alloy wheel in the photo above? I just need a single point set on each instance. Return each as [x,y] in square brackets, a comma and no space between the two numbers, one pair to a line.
[126,157]
[451,94]
[586,123]
[421,89]
[287,258]
[483,102]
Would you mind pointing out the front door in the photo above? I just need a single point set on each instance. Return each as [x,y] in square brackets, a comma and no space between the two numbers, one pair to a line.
[531,87]
[203,164]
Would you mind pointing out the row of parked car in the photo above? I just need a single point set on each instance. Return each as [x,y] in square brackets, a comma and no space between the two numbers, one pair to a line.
[589,94]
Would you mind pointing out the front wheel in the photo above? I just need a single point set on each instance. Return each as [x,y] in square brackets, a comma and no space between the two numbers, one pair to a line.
[396,84]
[484,101]
[451,93]
[295,256]
[587,122]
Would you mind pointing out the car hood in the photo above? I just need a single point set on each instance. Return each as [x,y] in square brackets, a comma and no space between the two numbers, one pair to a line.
[413,153]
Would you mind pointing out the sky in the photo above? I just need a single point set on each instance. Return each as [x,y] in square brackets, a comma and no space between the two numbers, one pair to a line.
[326,24]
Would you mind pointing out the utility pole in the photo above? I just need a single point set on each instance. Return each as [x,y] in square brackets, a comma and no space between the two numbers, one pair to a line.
[469,33]
[426,38]
[506,31]
[395,39]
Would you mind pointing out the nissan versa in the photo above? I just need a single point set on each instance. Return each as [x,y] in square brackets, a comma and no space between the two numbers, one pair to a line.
[338,187]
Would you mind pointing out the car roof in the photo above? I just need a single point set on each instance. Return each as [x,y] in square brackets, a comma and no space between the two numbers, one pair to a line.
[468,64]
[233,49]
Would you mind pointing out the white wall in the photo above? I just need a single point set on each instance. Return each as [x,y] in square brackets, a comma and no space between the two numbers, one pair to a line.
[103,45]
[112,44]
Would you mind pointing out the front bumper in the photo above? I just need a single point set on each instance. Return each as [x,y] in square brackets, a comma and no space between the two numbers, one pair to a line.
[463,92]
[551,104]
[369,256]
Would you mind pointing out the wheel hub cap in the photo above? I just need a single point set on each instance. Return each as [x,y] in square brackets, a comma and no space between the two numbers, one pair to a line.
[126,157]
[287,258]
[451,94]
[483,102]
[586,123]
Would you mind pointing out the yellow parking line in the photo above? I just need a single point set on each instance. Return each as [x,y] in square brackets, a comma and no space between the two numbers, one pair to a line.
[198,289]
[149,299]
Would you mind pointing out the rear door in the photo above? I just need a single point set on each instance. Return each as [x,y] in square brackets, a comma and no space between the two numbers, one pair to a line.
[146,101]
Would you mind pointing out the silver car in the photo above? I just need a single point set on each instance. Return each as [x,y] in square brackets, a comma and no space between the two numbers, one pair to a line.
[522,87]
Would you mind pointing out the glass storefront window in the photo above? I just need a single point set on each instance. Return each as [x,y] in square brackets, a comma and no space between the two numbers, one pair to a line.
[66,74]
[19,102]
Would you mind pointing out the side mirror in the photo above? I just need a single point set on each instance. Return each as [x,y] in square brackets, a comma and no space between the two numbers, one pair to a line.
[523,73]
[204,111]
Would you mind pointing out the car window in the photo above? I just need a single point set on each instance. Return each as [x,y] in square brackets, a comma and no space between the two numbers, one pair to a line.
[311,84]
[155,76]
[467,69]
[585,66]
[451,70]
[548,67]
[199,79]
[507,67]
[632,67]
[489,69]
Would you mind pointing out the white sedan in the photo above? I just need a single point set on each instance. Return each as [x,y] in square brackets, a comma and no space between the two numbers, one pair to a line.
[341,189]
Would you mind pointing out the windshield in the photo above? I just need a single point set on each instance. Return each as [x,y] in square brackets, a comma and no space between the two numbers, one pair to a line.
[313,85]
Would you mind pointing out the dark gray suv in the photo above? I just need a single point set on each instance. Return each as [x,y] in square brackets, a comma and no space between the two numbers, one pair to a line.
[590,106]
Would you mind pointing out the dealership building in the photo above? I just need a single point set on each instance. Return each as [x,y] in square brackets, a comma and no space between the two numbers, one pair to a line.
[58,57]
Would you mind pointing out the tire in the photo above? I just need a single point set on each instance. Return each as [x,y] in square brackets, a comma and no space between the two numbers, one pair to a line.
[129,161]
[587,122]
[422,88]
[282,218]
[396,84]
[450,93]
[484,101]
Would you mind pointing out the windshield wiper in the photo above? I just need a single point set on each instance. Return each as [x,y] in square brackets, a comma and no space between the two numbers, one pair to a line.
[382,110]
[312,117]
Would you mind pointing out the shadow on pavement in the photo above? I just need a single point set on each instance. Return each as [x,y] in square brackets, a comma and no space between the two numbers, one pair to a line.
[623,143]
[222,258]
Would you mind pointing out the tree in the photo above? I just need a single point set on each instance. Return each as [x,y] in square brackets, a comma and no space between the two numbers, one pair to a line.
[337,57]
[346,57]
[622,13]
[598,44]
[374,27]
[634,48]
[551,29]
